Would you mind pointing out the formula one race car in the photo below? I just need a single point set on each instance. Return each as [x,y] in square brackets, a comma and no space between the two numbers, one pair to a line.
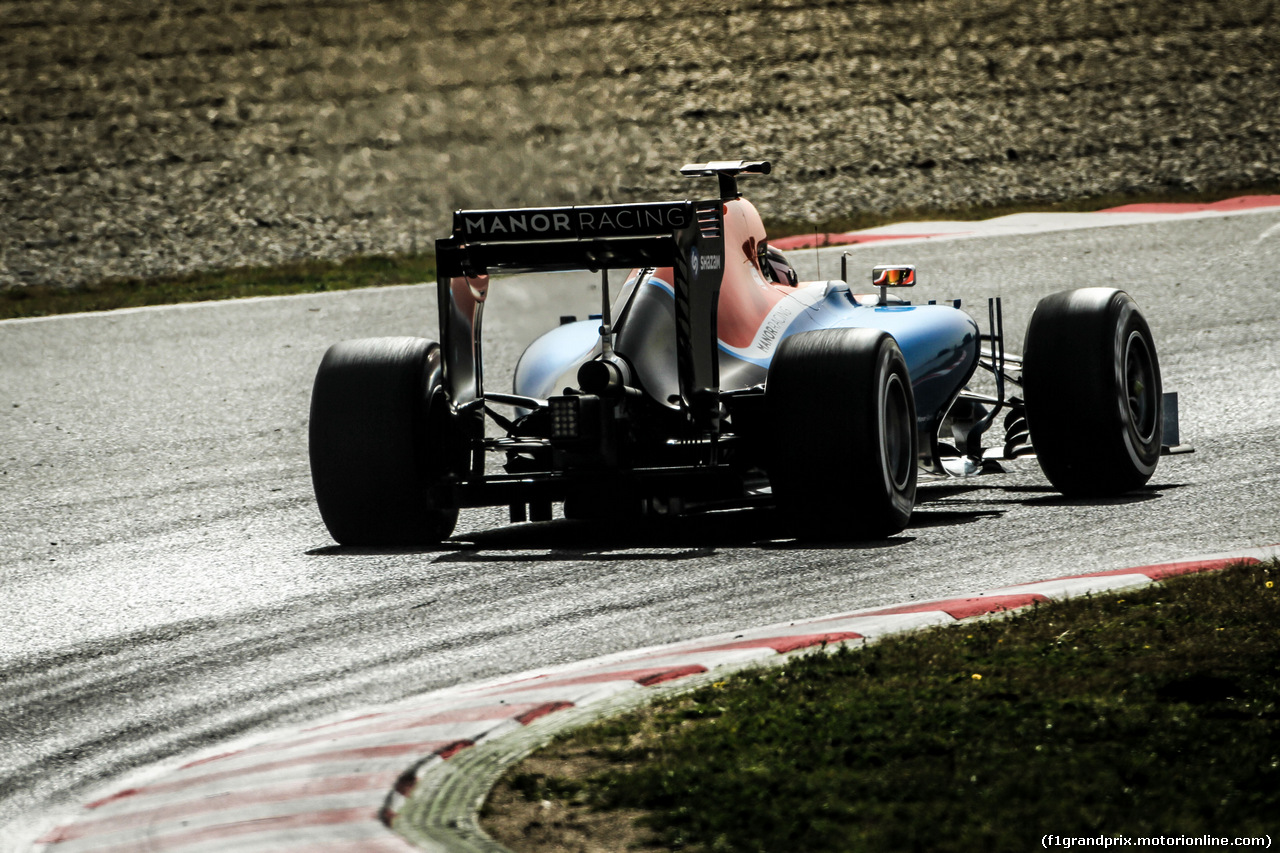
[715,379]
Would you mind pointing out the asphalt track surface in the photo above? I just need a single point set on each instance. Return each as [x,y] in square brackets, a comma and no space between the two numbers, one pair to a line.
[167,584]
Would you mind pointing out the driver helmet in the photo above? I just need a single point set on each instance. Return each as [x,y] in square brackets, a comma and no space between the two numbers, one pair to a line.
[775,265]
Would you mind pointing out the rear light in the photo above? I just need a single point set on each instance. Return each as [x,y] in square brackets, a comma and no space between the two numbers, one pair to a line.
[566,418]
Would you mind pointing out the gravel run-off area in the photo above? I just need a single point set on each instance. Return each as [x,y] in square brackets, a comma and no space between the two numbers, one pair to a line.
[141,137]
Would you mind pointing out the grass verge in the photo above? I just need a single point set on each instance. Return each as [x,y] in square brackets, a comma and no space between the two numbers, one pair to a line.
[312,276]
[873,219]
[295,277]
[1153,712]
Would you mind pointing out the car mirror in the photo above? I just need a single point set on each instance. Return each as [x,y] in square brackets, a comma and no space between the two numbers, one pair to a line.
[885,276]
[893,275]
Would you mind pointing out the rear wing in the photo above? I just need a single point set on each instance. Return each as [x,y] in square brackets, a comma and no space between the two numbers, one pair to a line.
[685,235]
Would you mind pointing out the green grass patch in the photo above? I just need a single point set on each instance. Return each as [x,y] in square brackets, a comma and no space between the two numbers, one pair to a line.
[313,276]
[310,276]
[1154,712]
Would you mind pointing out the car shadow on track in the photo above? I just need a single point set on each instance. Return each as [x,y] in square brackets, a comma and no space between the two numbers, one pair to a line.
[1045,496]
[698,531]
[698,535]
[1147,493]
[692,536]
[679,537]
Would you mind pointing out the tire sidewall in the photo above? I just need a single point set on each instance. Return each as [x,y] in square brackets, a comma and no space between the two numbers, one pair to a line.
[895,413]
[1142,451]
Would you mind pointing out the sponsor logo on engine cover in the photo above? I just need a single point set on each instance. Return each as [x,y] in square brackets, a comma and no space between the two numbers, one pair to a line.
[569,223]
[775,324]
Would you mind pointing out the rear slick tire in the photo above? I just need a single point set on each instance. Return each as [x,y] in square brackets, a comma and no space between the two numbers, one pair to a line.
[375,443]
[1094,401]
[843,455]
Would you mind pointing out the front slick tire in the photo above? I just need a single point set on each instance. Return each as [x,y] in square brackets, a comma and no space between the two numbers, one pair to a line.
[375,443]
[843,454]
[1093,394]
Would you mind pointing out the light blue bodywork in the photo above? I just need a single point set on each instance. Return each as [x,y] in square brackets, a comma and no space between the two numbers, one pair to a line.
[940,344]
